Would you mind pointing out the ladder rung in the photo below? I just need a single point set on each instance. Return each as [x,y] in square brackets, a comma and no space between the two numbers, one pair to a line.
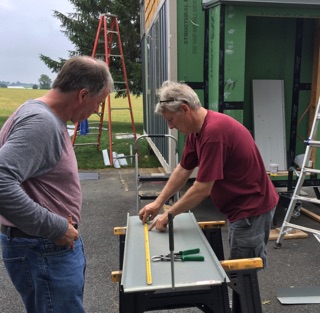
[120,109]
[115,55]
[313,143]
[307,229]
[311,170]
[113,32]
[307,199]
[119,82]
[87,144]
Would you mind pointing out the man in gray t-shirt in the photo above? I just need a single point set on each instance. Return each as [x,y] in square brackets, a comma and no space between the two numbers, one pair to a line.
[40,189]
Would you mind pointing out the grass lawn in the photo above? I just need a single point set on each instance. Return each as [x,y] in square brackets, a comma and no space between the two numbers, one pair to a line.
[88,156]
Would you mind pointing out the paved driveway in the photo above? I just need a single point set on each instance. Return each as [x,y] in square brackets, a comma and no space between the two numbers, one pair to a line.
[106,203]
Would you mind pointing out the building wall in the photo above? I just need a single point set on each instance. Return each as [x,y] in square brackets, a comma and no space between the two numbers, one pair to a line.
[220,51]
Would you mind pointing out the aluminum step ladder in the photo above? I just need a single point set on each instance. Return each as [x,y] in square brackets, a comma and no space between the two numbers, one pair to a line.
[312,144]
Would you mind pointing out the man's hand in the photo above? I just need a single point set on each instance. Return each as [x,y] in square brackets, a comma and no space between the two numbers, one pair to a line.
[149,212]
[69,237]
[160,223]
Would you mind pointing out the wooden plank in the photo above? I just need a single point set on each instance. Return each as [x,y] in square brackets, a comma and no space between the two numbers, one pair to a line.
[203,225]
[119,231]
[292,234]
[241,264]
[211,224]
[116,276]
[310,214]
[228,265]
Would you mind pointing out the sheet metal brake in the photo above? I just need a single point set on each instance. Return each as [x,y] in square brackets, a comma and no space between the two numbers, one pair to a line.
[187,235]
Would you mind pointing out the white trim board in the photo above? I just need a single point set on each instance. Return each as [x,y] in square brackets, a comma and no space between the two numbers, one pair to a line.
[269,121]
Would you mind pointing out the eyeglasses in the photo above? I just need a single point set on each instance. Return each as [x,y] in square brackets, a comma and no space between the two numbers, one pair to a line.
[169,100]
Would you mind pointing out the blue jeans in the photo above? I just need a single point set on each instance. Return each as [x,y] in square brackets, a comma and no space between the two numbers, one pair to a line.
[49,278]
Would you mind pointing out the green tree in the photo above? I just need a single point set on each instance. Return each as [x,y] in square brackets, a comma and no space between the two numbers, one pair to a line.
[44,82]
[34,86]
[81,28]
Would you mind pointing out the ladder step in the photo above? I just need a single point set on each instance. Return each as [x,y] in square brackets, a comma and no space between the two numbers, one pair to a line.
[113,32]
[313,143]
[87,144]
[120,109]
[91,134]
[115,55]
[307,199]
[307,229]
[311,170]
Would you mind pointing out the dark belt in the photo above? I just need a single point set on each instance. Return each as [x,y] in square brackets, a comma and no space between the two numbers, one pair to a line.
[14,232]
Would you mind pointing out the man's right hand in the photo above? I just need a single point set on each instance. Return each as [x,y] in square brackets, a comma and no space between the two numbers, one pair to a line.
[69,237]
[149,212]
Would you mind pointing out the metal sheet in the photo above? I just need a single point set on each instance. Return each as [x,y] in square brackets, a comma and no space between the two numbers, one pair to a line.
[299,295]
[269,121]
[187,235]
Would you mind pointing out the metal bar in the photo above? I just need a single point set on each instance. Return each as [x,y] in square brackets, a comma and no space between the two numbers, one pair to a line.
[295,98]
[171,247]
[307,229]
[221,58]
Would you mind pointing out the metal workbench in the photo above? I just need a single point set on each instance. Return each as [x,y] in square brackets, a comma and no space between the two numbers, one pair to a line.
[197,284]
[187,235]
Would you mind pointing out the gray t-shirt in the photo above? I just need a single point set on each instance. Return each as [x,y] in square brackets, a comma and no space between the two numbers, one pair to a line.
[39,181]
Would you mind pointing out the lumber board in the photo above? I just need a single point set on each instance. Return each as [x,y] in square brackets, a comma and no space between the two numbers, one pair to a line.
[292,234]
[203,225]
[310,214]
[241,264]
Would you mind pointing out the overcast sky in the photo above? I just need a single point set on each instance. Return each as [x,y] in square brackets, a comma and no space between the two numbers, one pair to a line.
[28,29]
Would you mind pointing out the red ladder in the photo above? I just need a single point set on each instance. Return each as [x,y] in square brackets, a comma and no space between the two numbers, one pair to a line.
[107,34]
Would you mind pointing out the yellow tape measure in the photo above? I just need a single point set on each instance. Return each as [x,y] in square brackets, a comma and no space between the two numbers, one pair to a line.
[148,260]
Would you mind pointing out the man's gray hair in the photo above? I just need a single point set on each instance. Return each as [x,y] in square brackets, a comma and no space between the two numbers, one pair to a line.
[84,72]
[173,94]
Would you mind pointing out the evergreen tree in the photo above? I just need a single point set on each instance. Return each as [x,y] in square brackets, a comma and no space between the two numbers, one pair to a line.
[81,28]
